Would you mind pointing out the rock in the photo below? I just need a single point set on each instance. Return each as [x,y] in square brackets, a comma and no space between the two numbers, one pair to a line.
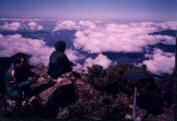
[63,113]
[138,118]
[32,99]
[68,74]
[128,117]
[38,83]
[11,103]
[130,106]
[46,95]
[80,83]
[79,73]
[43,82]
[141,112]
[63,81]
[40,70]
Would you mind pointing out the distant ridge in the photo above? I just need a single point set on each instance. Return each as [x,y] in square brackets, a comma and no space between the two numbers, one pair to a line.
[166,32]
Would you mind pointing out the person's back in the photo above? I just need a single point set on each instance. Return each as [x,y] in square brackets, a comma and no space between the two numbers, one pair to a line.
[58,62]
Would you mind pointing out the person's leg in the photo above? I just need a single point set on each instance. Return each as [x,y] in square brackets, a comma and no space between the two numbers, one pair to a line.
[13,92]
[26,89]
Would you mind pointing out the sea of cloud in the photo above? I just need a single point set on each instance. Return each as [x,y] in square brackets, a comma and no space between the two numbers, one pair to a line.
[160,62]
[12,44]
[17,25]
[39,51]
[133,37]
[95,37]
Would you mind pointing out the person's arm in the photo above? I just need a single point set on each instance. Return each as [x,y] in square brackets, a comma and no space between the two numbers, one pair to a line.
[12,82]
[68,62]
[28,73]
[24,83]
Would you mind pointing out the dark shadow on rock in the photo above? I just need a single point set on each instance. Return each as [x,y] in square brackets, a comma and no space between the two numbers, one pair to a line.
[153,104]
[62,98]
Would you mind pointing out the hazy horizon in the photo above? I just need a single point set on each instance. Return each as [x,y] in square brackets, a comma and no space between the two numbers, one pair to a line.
[125,10]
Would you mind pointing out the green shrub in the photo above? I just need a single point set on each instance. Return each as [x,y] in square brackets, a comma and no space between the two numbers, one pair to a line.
[112,82]
[109,80]
[105,107]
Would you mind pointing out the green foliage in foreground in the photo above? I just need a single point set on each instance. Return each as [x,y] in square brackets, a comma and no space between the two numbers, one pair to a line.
[113,102]
[117,94]
[111,80]
[37,119]
[106,107]
[26,119]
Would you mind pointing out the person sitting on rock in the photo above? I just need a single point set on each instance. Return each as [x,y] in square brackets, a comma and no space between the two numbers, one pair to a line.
[58,62]
[16,76]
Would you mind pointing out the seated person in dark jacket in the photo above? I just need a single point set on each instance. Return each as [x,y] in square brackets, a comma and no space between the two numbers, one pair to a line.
[16,77]
[58,62]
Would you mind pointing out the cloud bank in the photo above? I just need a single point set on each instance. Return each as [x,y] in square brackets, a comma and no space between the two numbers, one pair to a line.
[132,37]
[34,26]
[68,25]
[13,26]
[40,52]
[160,62]
[12,44]
[72,25]
[96,37]
[100,60]
[74,55]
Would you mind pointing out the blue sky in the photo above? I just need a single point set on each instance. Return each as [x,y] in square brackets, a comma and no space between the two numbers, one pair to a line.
[92,9]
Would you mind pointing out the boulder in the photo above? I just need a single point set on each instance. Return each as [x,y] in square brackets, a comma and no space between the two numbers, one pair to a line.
[47,94]
[43,81]
[63,114]
[39,82]
[40,70]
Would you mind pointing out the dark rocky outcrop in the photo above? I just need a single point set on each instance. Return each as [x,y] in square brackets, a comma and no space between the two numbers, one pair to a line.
[97,94]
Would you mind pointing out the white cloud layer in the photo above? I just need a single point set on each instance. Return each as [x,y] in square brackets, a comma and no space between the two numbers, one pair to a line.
[100,60]
[74,55]
[13,26]
[95,37]
[69,25]
[34,26]
[72,25]
[11,44]
[87,24]
[160,62]
[132,37]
